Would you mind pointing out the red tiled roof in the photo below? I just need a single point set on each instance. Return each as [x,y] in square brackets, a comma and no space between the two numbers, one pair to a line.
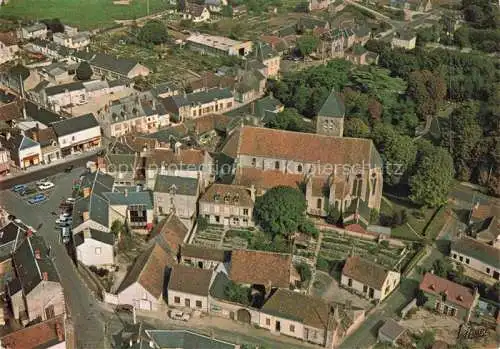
[172,232]
[9,38]
[36,336]
[261,268]
[11,111]
[168,157]
[298,146]
[455,293]
[264,180]
[237,195]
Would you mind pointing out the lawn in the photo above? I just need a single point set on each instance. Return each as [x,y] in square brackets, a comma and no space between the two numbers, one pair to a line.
[87,14]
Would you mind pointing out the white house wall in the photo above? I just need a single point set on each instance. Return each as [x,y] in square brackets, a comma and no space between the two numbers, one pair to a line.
[93,252]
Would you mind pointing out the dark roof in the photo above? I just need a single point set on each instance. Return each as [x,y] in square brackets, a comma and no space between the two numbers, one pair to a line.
[333,106]
[107,238]
[117,65]
[75,124]
[477,250]
[181,185]
[149,271]
[365,271]
[211,254]
[405,35]
[40,114]
[18,142]
[57,89]
[391,329]
[117,198]
[184,339]
[190,280]
[11,235]
[29,269]
[209,95]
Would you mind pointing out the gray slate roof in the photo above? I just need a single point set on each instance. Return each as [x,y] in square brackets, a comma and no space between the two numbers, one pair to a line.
[181,185]
[478,250]
[41,114]
[130,198]
[184,339]
[75,124]
[333,106]
[117,65]
[57,89]
[392,329]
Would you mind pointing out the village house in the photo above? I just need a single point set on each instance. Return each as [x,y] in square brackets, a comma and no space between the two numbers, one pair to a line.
[176,194]
[390,332]
[36,292]
[277,43]
[49,334]
[11,236]
[203,257]
[165,90]
[78,134]
[143,285]
[197,13]
[309,319]
[228,205]
[447,297]
[42,116]
[135,207]
[47,48]
[404,39]
[170,233]
[94,247]
[76,41]
[484,223]
[193,105]
[24,151]
[37,30]
[476,255]
[188,287]
[47,139]
[270,58]
[132,114]
[268,269]
[111,67]
[335,42]
[349,179]
[58,96]
[55,73]
[368,279]
[4,160]
[360,55]
[8,50]
[216,5]
[218,45]
[318,5]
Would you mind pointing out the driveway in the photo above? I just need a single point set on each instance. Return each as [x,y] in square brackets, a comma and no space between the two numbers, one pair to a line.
[81,304]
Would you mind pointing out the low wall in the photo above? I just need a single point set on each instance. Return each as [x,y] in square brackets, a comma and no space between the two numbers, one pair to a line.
[229,310]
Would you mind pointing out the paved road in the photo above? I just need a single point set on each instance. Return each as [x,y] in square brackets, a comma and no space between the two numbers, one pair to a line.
[34,175]
[89,327]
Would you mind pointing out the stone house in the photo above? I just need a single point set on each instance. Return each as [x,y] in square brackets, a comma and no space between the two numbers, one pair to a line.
[37,30]
[476,255]
[8,50]
[143,287]
[188,288]
[94,247]
[368,279]
[309,319]
[76,41]
[447,297]
[170,233]
[350,176]
[48,143]
[77,134]
[228,205]
[197,13]
[24,151]
[36,292]
[176,194]
[483,222]
[269,57]
[203,257]
[390,332]
[11,236]
[334,43]
[404,39]
[111,67]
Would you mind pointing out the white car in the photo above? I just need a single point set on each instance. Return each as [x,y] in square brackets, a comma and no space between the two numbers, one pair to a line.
[178,315]
[46,185]
[70,200]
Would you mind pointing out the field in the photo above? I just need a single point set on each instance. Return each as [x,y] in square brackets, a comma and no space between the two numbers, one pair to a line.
[336,247]
[87,14]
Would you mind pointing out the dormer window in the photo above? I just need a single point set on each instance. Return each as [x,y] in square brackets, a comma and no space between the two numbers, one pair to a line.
[216,197]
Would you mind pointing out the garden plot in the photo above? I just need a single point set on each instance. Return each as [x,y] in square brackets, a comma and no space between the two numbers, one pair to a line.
[210,237]
[237,238]
[336,247]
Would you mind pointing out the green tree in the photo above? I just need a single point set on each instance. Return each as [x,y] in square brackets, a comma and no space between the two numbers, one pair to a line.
[333,215]
[280,210]
[461,37]
[202,223]
[355,127]
[426,340]
[290,119]
[84,71]
[237,293]
[442,267]
[153,32]
[227,11]
[433,179]
[398,151]
[117,227]
[307,44]
[307,227]
[305,273]
[428,89]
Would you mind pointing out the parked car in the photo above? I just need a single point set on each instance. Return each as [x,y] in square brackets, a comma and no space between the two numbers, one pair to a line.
[27,191]
[70,200]
[66,232]
[68,169]
[39,198]
[46,185]
[19,187]
[178,315]
[124,308]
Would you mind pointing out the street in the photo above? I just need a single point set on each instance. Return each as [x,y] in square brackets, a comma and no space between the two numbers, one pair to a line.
[82,306]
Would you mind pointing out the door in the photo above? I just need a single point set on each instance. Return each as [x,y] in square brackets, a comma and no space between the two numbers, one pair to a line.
[187,302]
[496,275]
[371,293]
[278,326]
[244,316]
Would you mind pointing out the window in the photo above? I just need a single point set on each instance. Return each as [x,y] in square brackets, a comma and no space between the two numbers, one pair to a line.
[73,138]
[98,251]
[349,282]
[254,162]
[292,328]
[365,288]
[461,258]
[453,311]
[299,168]
[276,165]
[488,270]
[177,300]
[318,204]
[245,211]
[454,256]
[268,322]
[198,304]
[374,183]
[217,219]
[229,105]
[467,260]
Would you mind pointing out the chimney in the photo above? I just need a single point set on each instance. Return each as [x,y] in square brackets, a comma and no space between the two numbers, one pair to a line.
[45,276]
[37,254]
